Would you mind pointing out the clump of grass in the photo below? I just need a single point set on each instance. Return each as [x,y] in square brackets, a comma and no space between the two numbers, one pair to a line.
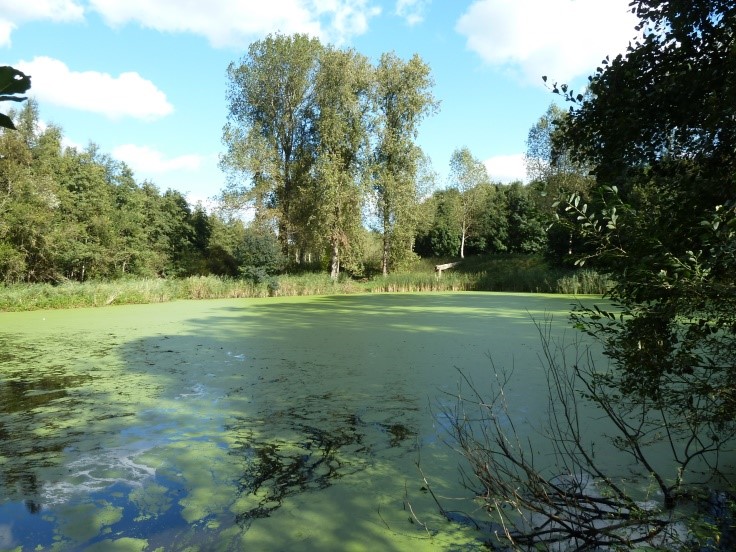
[68,295]
[315,284]
[531,274]
[584,282]
[420,282]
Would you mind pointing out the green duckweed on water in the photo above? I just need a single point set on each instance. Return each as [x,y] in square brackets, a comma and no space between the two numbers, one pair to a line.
[266,424]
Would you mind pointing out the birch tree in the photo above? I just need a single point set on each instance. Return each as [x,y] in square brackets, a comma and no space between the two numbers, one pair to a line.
[467,175]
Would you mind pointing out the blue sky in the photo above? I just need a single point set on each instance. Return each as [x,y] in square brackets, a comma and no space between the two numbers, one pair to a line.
[145,79]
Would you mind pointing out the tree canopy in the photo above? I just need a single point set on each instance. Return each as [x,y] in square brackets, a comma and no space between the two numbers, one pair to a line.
[67,214]
[308,125]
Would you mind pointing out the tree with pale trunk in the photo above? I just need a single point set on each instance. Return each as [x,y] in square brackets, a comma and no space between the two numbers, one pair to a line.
[467,175]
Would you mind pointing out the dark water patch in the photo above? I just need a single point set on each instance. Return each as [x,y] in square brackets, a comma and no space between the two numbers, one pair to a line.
[313,459]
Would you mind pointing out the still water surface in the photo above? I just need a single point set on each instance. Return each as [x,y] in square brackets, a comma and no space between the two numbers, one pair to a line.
[265,424]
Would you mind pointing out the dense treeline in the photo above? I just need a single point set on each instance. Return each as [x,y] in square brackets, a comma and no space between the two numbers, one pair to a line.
[507,219]
[319,142]
[79,215]
[476,216]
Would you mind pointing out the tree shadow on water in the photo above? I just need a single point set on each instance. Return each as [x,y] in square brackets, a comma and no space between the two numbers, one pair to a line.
[240,417]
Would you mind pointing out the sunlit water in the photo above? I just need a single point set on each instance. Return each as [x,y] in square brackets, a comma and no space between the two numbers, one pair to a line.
[272,424]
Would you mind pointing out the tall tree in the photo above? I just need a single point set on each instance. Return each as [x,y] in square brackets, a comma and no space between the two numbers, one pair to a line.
[343,102]
[403,97]
[467,175]
[28,198]
[269,134]
[548,161]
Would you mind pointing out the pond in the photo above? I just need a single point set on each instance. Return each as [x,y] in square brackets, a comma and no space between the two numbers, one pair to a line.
[264,424]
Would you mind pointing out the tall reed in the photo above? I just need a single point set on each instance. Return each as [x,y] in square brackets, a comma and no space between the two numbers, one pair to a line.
[502,273]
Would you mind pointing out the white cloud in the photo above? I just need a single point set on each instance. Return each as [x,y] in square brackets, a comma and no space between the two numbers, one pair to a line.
[127,95]
[15,12]
[196,176]
[347,17]
[222,22]
[149,161]
[6,28]
[506,168]
[562,39]
[227,23]
[411,10]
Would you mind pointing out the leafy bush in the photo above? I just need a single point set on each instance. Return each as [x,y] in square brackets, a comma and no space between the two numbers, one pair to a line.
[259,256]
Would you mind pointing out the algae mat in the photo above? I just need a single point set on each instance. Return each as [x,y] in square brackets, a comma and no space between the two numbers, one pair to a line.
[265,424]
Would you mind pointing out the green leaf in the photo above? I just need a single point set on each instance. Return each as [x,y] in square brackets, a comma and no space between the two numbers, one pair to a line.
[13,81]
[6,122]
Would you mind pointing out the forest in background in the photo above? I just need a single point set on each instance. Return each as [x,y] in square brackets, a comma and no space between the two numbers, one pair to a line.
[78,216]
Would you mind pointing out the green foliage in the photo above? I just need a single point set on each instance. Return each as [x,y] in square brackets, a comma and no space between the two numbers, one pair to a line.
[302,121]
[469,176]
[402,99]
[343,99]
[442,237]
[553,172]
[505,219]
[269,134]
[71,215]
[259,256]
[526,230]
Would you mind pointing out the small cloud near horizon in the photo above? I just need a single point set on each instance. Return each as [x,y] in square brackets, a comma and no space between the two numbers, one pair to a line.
[147,160]
[506,168]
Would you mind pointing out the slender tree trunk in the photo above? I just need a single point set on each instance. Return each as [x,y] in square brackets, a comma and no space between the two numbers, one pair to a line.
[335,260]
[462,243]
[386,242]
[283,238]
[384,261]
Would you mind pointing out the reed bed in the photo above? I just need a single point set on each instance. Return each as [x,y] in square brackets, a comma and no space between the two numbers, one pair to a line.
[508,273]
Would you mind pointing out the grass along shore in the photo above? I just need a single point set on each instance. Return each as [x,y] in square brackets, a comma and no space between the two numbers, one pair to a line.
[502,273]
